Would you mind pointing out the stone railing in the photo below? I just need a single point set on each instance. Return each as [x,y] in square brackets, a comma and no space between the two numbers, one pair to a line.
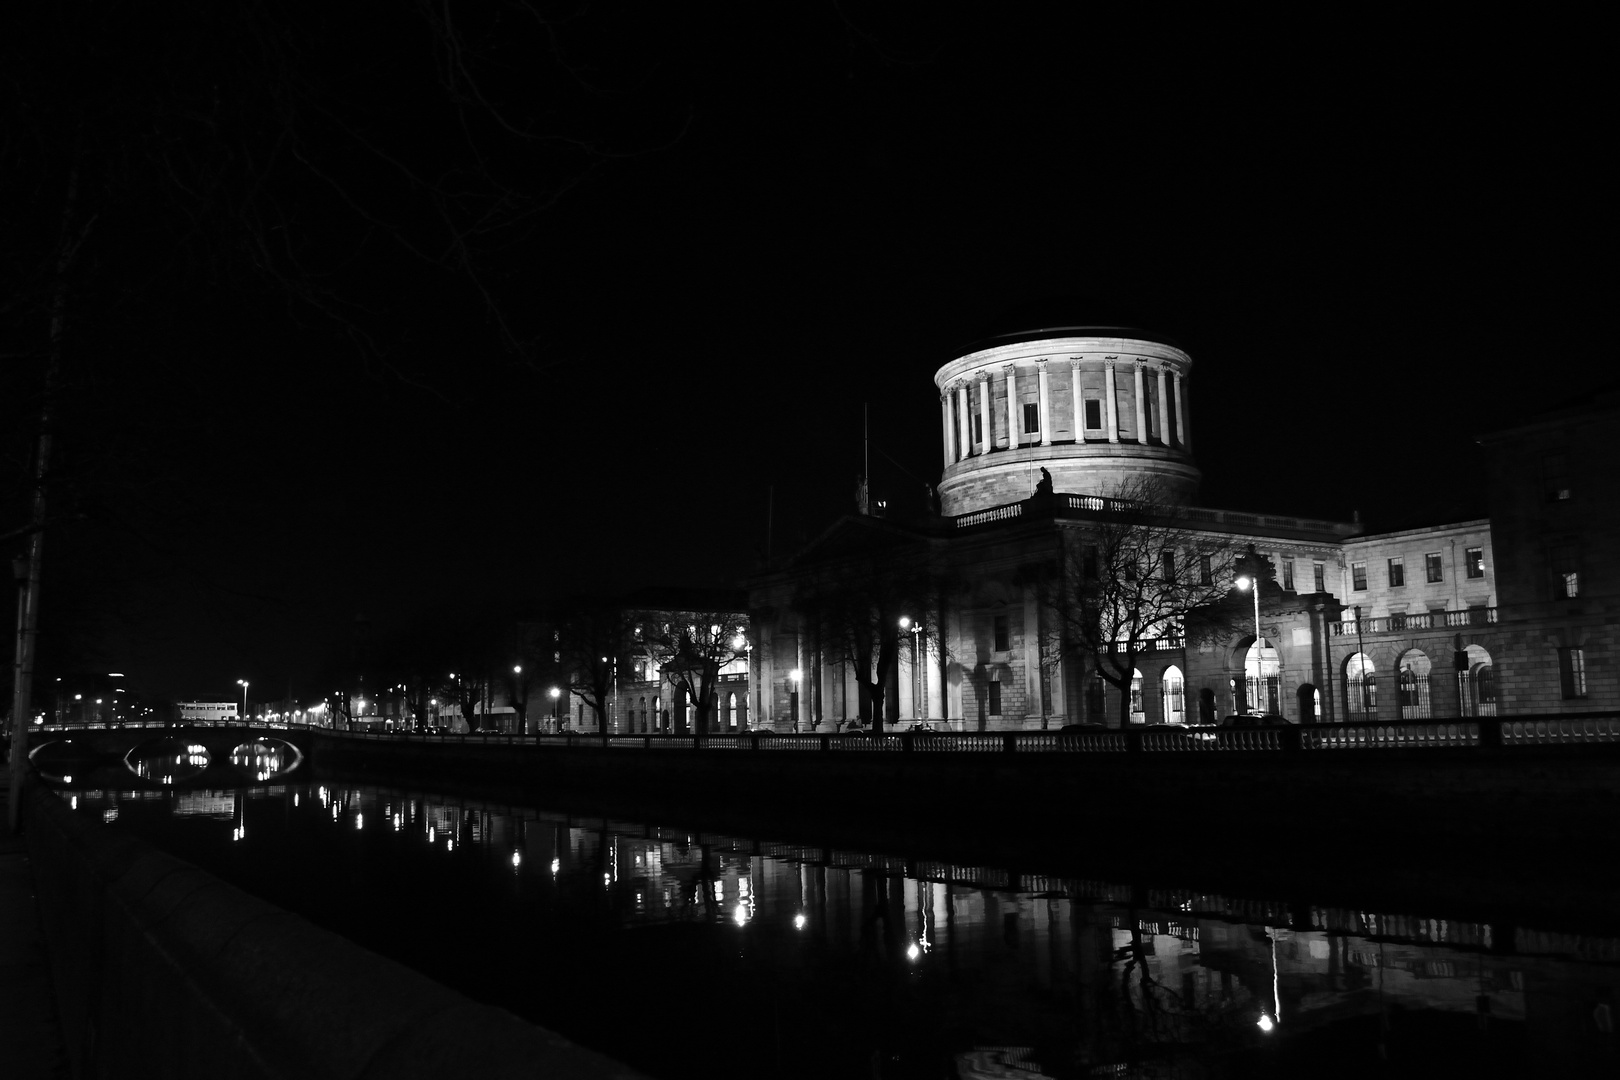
[1064,503]
[1471,733]
[1416,620]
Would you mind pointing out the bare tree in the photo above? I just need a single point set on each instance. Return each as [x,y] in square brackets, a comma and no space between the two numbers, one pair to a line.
[852,605]
[593,634]
[691,648]
[1137,574]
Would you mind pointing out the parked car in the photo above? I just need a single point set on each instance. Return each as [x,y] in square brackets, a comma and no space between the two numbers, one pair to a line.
[1255,720]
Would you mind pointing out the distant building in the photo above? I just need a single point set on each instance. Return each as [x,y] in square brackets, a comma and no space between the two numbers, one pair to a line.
[208,712]
[1041,427]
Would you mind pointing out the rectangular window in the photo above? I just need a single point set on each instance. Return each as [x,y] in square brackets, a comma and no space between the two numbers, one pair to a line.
[1555,477]
[978,427]
[1572,672]
[1474,560]
[1319,576]
[1093,414]
[1167,565]
[1358,576]
[1088,561]
[1288,574]
[995,697]
[1001,633]
[1566,572]
[1397,572]
[1431,567]
[1205,573]
[1032,418]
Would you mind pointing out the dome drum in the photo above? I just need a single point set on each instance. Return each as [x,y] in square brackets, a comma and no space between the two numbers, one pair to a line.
[1092,408]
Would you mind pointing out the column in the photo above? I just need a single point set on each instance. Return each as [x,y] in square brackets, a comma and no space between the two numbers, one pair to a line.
[1112,402]
[1141,407]
[1164,408]
[1077,405]
[964,419]
[1181,414]
[989,440]
[1012,407]
[1046,411]
[945,425]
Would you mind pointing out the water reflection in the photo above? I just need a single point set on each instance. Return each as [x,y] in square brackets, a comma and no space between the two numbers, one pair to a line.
[266,759]
[167,761]
[823,961]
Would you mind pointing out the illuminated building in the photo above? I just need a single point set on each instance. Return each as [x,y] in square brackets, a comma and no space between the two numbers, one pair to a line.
[1041,427]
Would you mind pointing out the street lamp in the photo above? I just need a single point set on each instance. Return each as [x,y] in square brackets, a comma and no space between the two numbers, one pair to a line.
[916,675]
[555,694]
[243,684]
[793,697]
[1247,584]
[517,692]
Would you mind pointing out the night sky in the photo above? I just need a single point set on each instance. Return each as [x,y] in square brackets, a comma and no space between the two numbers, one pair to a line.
[366,325]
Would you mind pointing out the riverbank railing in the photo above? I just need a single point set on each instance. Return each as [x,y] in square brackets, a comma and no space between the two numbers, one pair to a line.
[1478,734]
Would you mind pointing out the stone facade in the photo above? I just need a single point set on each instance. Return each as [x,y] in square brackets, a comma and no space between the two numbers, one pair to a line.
[1514,614]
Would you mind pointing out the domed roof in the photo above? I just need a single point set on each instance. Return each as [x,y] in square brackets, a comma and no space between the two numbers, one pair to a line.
[1062,316]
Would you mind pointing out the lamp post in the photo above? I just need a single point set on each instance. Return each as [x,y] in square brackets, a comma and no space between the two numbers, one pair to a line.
[1247,584]
[793,696]
[554,694]
[1361,662]
[916,675]
[243,684]
[517,692]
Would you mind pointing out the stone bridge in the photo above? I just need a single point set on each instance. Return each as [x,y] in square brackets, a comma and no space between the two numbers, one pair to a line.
[103,744]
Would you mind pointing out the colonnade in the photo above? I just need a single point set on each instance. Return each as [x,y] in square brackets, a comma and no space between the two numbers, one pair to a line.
[962,438]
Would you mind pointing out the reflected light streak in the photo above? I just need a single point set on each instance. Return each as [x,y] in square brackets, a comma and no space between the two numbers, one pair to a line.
[913,952]
[741,915]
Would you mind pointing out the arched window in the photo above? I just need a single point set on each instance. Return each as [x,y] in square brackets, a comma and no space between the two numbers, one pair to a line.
[644,716]
[731,711]
[1360,688]
[1137,715]
[1172,689]
[1414,686]
[1262,676]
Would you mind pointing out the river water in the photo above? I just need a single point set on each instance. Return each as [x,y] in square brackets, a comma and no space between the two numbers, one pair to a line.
[701,955]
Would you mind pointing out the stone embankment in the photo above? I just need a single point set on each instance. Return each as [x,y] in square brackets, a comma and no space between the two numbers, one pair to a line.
[163,970]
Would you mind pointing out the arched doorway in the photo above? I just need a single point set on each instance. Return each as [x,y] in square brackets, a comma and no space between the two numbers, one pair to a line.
[1138,712]
[1360,688]
[1476,682]
[1262,677]
[1414,685]
[1309,703]
[1173,696]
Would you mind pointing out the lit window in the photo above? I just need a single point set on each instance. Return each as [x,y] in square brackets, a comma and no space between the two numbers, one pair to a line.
[1474,560]
[1032,418]
[1566,572]
[995,697]
[1093,414]
[1572,672]
[1001,643]
[1397,572]
[1431,567]
[1358,576]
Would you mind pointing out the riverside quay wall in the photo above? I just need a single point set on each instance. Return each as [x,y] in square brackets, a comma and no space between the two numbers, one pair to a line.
[1509,812]
[164,970]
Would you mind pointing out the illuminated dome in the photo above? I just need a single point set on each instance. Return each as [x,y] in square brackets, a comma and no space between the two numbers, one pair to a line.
[1095,405]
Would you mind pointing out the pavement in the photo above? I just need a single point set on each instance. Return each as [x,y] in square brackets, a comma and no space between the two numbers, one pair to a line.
[31,1044]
